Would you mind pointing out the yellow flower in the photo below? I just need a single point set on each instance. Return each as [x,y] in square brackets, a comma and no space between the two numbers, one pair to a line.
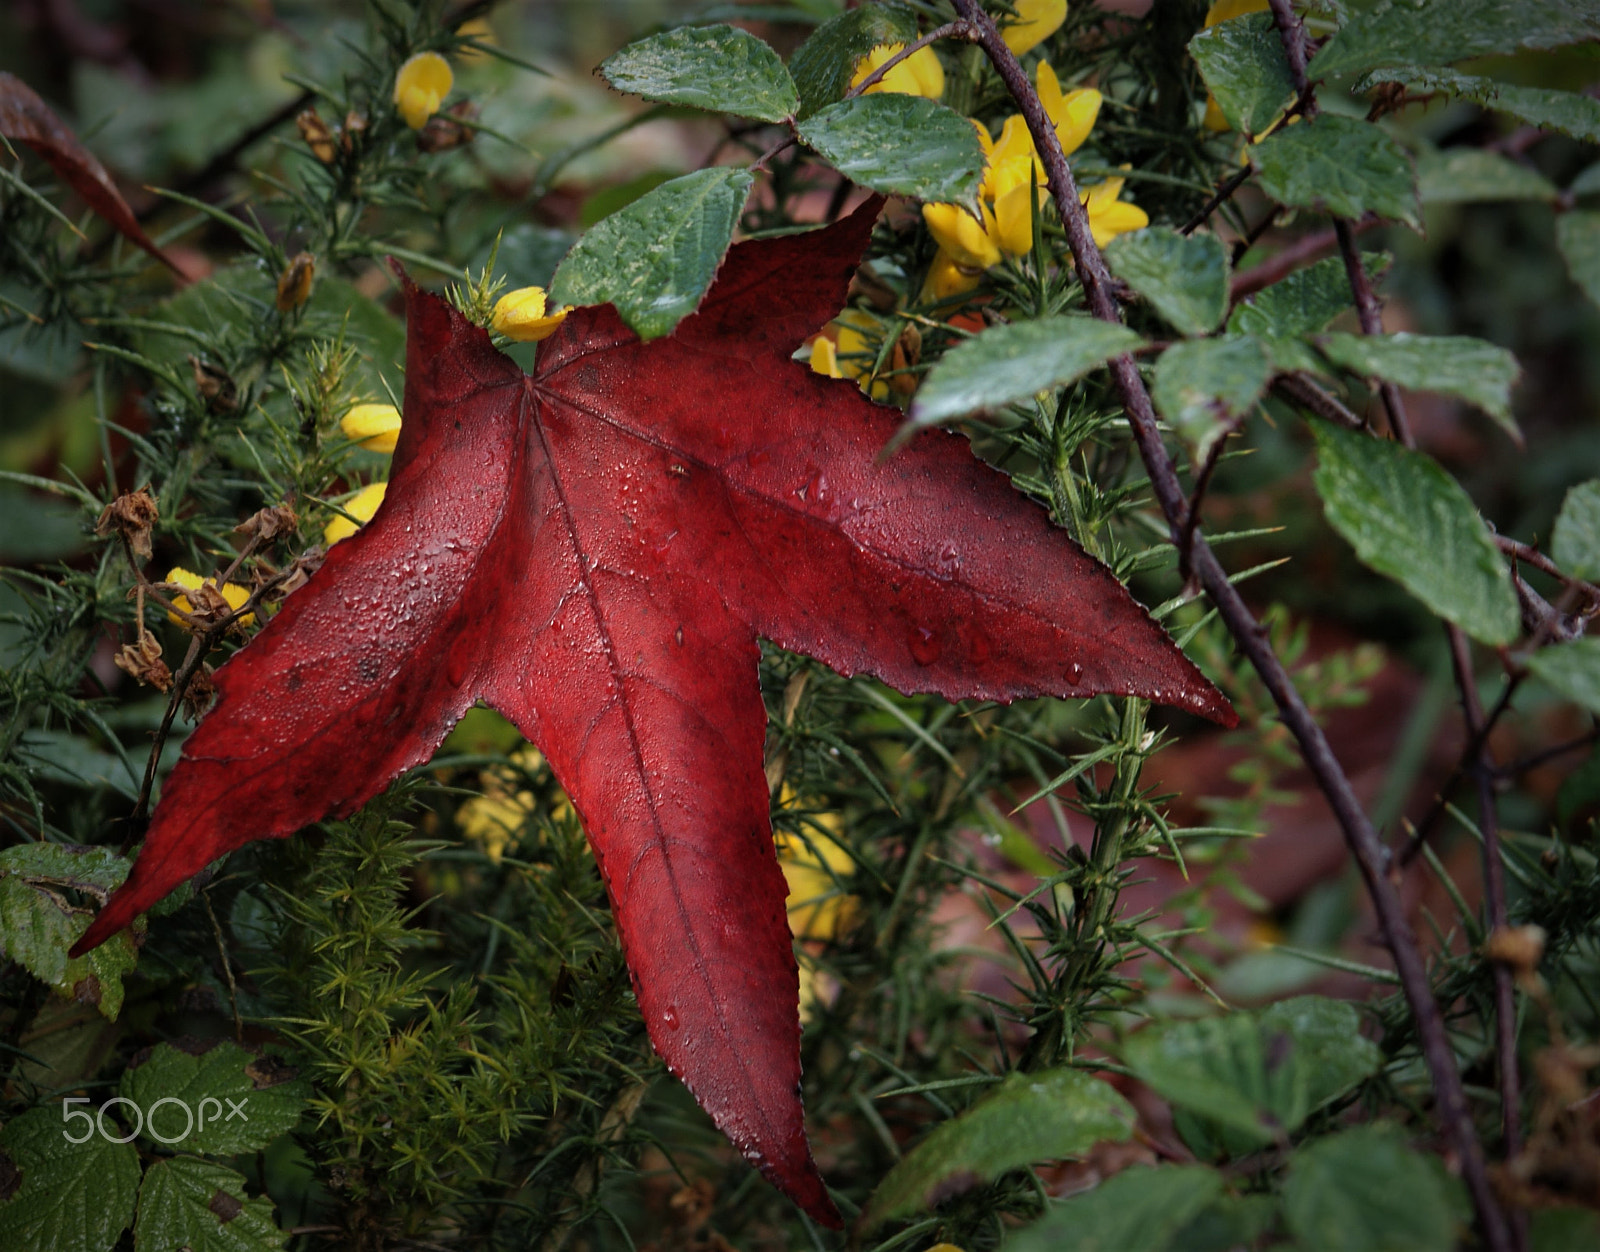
[521,315]
[1073,113]
[360,506]
[478,30]
[817,908]
[421,85]
[375,426]
[1224,11]
[233,593]
[920,74]
[1108,215]
[947,279]
[825,358]
[1036,21]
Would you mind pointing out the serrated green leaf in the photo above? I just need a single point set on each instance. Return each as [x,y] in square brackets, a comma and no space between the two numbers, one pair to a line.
[822,66]
[654,259]
[190,1205]
[1328,1044]
[1244,67]
[71,1197]
[1575,542]
[1455,365]
[1391,504]
[1204,384]
[899,144]
[1440,32]
[1339,165]
[708,67]
[1138,1210]
[1304,302]
[1565,111]
[1363,1190]
[1571,670]
[1028,1117]
[1186,279]
[225,1100]
[1006,364]
[38,923]
[1578,236]
[1465,175]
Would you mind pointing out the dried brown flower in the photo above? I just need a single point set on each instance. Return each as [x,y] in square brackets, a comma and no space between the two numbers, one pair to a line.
[294,284]
[142,660]
[132,516]
[317,136]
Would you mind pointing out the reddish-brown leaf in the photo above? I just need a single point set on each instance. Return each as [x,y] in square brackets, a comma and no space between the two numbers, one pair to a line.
[594,550]
[25,117]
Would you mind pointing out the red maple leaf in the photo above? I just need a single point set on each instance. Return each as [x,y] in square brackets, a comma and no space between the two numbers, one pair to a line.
[594,550]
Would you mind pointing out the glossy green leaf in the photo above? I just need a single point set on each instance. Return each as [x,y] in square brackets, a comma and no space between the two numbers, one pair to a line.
[823,66]
[1338,165]
[1203,385]
[654,259]
[223,1101]
[69,1197]
[1578,235]
[1304,302]
[1566,111]
[1185,278]
[1364,1190]
[38,923]
[1138,1210]
[1571,670]
[1462,175]
[1575,541]
[1006,364]
[190,1205]
[1439,32]
[902,145]
[1391,504]
[708,67]
[1479,373]
[1243,64]
[1027,1118]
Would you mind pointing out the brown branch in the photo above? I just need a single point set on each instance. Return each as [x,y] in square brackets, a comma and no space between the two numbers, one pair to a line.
[1300,253]
[1302,390]
[1368,851]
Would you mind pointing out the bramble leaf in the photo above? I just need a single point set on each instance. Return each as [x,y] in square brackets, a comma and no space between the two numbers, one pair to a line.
[1578,235]
[70,1197]
[1455,365]
[1185,278]
[1340,165]
[223,1101]
[1565,111]
[1575,541]
[1138,1210]
[901,145]
[1243,64]
[707,67]
[190,1205]
[1463,175]
[1363,1190]
[1439,32]
[1203,385]
[822,66]
[1571,670]
[1304,302]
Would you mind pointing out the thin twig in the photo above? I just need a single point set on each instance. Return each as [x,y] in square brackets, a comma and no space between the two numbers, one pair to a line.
[227,966]
[1368,851]
[1532,761]
[1220,197]
[1296,256]
[1300,388]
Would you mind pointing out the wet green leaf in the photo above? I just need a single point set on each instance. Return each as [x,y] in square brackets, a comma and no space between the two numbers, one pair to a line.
[1439,32]
[1304,302]
[823,66]
[1575,542]
[1578,235]
[1364,1190]
[1338,165]
[1244,67]
[1138,1210]
[1479,373]
[1571,670]
[69,1197]
[709,67]
[1202,386]
[223,1101]
[1565,111]
[1462,175]
[190,1205]
[1186,279]
[902,145]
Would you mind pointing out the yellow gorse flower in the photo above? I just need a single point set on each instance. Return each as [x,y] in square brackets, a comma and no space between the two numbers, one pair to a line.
[522,315]
[1110,216]
[853,355]
[421,86]
[360,506]
[233,593]
[375,426]
[1036,21]
[920,74]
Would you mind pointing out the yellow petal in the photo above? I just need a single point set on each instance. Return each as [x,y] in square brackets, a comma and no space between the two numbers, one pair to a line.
[920,74]
[1226,10]
[360,506]
[946,279]
[1013,215]
[521,315]
[478,30]
[1036,21]
[375,426]
[420,85]
[1214,119]
[1015,142]
[825,358]
[233,593]
[1079,109]
[966,238]
[1109,216]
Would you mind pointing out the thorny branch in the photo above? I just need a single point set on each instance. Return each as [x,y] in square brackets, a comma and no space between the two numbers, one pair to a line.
[1368,850]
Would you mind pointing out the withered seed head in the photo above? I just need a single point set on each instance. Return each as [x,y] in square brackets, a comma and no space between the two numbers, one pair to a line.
[142,660]
[294,284]
[199,694]
[268,523]
[445,131]
[317,136]
[132,516]
[215,386]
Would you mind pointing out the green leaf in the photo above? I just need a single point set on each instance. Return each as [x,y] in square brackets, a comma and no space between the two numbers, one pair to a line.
[1462,175]
[1587,183]
[1455,365]
[38,923]
[1304,302]
[1363,1190]
[1231,1222]
[1138,1210]
[1006,364]
[1571,670]
[1578,236]
[1027,1118]
[190,1205]
[709,67]
[225,1100]
[1575,542]
[1205,384]
[1339,165]
[1439,32]
[64,1196]
[1186,279]
[1243,64]
[1393,504]
[899,144]
[1566,111]
[654,259]
[1328,1044]
[823,66]
[1564,1230]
